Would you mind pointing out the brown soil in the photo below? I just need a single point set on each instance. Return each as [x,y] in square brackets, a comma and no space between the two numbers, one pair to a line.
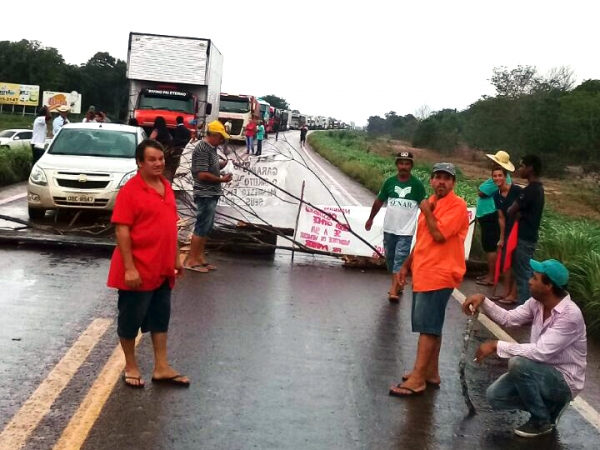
[573,196]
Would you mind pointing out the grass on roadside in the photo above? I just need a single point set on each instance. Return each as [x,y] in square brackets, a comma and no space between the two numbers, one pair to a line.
[15,165]
[575,242]
[16,121]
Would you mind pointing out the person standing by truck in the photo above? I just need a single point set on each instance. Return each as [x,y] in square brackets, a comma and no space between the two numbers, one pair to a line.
[250,133]
[38,138]
[303,133]
[260,136]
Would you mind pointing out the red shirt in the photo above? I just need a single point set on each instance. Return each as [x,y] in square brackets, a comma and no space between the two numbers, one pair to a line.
[251,129]
[153,228]
[441,265]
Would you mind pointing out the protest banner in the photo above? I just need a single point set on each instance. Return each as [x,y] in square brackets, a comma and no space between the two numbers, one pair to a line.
[318,231]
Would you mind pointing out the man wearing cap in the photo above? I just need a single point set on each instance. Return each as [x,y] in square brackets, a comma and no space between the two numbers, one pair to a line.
[61,120]
[403,193]
[437,263]
[206,172]
[545,374]
[487,216]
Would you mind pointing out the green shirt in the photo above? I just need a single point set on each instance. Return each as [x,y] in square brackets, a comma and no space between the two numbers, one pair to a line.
[403,199]
[486,205]
[260,133]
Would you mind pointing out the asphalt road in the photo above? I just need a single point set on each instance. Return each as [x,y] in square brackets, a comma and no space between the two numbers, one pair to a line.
[281,356]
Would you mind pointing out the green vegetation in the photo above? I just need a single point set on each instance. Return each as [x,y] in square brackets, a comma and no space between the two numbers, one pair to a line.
[15,121]
[543,115]
[15,165]
[101,81]
[574,242]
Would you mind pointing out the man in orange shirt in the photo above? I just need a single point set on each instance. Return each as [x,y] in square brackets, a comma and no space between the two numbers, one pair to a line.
[437,263]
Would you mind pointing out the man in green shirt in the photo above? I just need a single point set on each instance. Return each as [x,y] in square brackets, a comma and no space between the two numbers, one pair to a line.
[403,193]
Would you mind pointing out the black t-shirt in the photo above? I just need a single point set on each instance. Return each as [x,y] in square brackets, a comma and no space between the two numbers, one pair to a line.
[503,203]
[531,206]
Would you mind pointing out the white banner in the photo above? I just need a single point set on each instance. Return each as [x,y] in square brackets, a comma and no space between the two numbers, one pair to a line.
[249,190]
[54,100]
[317,231]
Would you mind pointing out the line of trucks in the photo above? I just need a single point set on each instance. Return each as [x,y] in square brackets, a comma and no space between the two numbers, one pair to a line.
[189,85]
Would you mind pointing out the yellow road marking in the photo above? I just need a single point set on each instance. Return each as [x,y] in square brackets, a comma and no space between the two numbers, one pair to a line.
[15,434]
[88,412]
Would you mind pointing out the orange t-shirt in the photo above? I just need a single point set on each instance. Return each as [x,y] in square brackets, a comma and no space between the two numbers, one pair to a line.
[442,265]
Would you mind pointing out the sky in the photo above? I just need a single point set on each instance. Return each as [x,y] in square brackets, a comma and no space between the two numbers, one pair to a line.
[345,59]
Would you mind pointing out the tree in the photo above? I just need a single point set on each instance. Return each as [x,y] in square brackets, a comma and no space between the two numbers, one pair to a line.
[516,82]
[423,112]
[276,102]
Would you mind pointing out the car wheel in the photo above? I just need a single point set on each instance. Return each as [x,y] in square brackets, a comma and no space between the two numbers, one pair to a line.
[36,213]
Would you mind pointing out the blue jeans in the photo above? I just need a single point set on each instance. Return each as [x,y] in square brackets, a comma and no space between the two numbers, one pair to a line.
[206,208]
[522,268]
[249,144]
[397,249]
[529,386]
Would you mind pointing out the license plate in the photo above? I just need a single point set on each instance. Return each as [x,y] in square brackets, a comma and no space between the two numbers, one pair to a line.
[82,198]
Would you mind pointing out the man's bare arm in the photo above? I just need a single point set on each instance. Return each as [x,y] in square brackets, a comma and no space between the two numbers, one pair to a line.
[377,204]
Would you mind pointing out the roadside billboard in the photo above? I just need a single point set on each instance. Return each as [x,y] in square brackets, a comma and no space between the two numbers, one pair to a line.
[54,100]
[19,94]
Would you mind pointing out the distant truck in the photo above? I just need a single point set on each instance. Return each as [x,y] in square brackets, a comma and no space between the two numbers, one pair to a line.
[238,109]
[285,120]
[295,123]
[264,110]
[172,76]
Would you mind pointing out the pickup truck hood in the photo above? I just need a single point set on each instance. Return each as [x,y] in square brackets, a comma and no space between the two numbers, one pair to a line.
[88,164]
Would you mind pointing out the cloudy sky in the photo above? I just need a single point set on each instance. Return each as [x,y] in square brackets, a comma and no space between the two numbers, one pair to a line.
[346,59]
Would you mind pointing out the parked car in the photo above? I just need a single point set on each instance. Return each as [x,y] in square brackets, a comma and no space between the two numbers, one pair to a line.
[16,138]
[83,168]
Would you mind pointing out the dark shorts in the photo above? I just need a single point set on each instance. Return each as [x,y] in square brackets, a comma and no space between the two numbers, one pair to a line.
[148,310]
[429,311]
[206,208]
[490,232]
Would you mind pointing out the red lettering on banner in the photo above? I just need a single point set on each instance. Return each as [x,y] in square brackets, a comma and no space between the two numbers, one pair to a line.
[337,233]
[317,246]
[337,250]
[341,226]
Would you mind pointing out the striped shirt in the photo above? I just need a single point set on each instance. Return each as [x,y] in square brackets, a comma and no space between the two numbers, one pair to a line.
[205,159]
[560,341]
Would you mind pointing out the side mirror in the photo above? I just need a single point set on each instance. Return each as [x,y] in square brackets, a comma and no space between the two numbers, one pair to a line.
[208,109]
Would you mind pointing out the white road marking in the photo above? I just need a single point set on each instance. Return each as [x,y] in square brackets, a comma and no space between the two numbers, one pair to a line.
[17,432]
[582,407]
[13,198]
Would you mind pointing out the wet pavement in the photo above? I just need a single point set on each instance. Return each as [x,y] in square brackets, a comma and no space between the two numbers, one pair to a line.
[281,355]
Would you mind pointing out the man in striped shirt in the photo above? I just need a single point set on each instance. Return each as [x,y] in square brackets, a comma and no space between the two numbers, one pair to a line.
[206,172]
[548,372]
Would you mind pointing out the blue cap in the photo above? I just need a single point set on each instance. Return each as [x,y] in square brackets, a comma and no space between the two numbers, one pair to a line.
[558,274]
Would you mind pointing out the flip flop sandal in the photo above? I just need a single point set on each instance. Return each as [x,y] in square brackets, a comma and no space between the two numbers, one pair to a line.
[174,381]
[413,393]
[393,298]
[484,283]
[496,298]
[503,301]
[209,266]
[197,268]
[140,385]
[428,383]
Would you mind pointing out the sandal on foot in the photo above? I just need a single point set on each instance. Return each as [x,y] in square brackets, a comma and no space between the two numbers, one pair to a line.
[197,268]
[484,283]
[209,266]
[140,384]
[393,298]
[505,301]
[174,380]
[394,393]
[427,382]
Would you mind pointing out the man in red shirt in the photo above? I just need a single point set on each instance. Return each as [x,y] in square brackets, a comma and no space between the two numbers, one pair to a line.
[250,133]
[146,262]
[437,263]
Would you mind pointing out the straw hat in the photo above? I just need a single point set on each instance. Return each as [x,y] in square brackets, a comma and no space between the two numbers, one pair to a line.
[502,159]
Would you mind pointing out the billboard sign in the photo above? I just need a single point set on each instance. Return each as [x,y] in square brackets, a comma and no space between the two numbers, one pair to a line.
[19,94]
[54,100]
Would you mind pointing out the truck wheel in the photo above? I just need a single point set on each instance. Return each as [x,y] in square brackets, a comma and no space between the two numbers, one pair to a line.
[36,213]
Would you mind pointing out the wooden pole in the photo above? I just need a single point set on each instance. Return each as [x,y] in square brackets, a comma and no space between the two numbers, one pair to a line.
[298,217]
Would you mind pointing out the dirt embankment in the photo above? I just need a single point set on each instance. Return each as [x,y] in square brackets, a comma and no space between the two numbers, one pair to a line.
[575,196]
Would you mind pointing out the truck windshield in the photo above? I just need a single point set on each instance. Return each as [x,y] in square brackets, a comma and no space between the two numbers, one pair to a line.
[234,106]
[88,142]
[184,105]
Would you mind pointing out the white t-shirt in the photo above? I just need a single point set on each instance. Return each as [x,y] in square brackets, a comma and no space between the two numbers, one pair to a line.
[39,132]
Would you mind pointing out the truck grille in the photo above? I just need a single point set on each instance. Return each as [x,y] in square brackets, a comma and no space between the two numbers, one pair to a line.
[236,126]
[76,184]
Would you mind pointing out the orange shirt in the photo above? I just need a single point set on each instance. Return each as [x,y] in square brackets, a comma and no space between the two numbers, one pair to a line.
[442,265]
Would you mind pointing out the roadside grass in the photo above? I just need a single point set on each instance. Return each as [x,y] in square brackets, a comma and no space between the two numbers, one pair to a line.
[575,242]
[15,165]
[16,121]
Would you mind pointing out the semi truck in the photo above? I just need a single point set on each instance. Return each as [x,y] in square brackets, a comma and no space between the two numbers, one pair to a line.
[238,109]
[264,110]
[171,76]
